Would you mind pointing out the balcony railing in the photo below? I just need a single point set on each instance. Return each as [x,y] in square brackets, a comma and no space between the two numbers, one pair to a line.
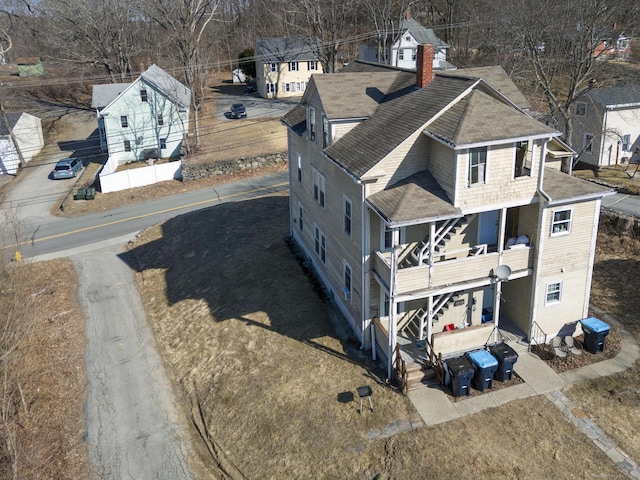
[445,272]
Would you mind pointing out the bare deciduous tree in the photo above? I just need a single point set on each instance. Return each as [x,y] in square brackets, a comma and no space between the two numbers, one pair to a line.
[186,23]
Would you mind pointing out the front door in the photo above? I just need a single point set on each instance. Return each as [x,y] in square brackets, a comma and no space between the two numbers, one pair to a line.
[488,228]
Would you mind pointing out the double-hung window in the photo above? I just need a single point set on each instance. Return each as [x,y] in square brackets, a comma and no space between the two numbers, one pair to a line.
[477,165]
[318,187]
[124,121]
[346,286]
[160,120]
[320,245]
[626,142]
[581,109]
[163,144]
[561,222]
[588,143]
[312,124]
[347,216]
[312,65]
[293,66]
[143,95]
[553,293]
[127,145]
[325,131]
[273,67]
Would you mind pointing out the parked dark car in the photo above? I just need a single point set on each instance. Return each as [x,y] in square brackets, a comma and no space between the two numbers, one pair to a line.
[250,89]
[238,111]
[66,168]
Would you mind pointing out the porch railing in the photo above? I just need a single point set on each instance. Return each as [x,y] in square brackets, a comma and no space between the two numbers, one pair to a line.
[538,337]
[400,368]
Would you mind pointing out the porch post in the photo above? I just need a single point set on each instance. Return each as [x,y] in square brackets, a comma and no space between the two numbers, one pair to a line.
[429,321]
[392,312]
[496,308]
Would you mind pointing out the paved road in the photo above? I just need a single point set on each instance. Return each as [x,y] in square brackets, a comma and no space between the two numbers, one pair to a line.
[256,106]
[621,202]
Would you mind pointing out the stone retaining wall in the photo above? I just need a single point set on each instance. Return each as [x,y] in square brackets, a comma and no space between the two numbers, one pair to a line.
[205,170]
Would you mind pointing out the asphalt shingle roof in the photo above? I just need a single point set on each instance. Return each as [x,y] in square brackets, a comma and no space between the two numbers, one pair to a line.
[415,198]
[168,85]
[562,187]
[103,95]
[296,119]
[421,34]
[480,118]
[497,78]
[616,95]
[284,49]
[394,121]
[358,95]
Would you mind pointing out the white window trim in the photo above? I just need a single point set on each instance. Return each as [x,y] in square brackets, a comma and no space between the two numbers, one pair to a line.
[313,133]
[346,291]
[312,65]
[584,106]
[273,67]
[326,131]
[528,155]
[294,66]
[319,188]
[628,143]
[553,222]
[485,179]
[401,234]
[346,201]
[546,293]
[320,244]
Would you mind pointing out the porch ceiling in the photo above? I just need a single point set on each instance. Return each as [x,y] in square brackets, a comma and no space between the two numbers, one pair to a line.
[415,199]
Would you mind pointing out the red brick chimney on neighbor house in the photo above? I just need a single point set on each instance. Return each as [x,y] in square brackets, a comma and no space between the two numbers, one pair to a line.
[424,65]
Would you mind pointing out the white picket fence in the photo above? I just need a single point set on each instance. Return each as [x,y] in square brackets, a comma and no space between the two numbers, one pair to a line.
[112,181]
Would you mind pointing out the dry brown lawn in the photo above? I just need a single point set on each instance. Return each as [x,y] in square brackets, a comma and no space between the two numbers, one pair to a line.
[624,177]
[44,378]
[247,337]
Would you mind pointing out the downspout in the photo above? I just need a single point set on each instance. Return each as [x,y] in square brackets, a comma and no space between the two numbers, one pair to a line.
[540,235]
[592,255]
[364,287]
[602,141]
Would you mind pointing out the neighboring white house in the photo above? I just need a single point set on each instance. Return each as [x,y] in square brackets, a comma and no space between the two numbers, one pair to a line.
[284,66]
[403,47]
[148,118]
[606,126]
[27,132]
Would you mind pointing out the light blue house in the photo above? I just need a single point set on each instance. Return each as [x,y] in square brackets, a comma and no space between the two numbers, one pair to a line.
[145,119]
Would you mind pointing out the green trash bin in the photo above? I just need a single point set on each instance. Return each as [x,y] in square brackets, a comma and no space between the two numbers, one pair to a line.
[91,193]
[82,194]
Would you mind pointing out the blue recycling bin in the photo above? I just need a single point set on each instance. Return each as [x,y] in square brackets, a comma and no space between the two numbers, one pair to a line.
[461,372]
[595,332]
[485,366]
[506,357]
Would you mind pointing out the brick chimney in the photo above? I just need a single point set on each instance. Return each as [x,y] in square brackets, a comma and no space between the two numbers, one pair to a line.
[424,65]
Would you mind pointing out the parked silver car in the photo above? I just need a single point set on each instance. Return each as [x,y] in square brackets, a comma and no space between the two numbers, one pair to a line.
[66,168]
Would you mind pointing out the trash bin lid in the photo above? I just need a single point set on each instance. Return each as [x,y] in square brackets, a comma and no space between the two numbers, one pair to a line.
[503,351]
[482,359]
[458,365]
[594,325]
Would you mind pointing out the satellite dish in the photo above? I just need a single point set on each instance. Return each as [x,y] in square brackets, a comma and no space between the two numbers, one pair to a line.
[503,272]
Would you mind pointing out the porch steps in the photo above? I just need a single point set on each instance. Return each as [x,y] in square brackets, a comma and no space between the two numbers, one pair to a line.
[420,376]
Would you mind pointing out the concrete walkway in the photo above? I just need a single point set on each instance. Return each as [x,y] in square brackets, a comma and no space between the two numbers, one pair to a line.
[434,406]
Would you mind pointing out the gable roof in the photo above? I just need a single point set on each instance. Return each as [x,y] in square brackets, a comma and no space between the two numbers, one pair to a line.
[296,119]
[12,119]
[421,34]
[474,119]
[626,95]
[358,95]
[396,119]
[168,85]
[103,95]
[497,78]
[284,49]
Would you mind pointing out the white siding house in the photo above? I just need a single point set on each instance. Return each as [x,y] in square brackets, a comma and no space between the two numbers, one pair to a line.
[606,126]
[148,118]
[27,132]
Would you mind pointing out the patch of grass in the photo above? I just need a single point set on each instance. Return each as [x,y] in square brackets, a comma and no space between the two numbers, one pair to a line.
[247,339]
[618,177]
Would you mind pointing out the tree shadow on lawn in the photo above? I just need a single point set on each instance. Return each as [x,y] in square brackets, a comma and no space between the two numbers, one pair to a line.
[236,257]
